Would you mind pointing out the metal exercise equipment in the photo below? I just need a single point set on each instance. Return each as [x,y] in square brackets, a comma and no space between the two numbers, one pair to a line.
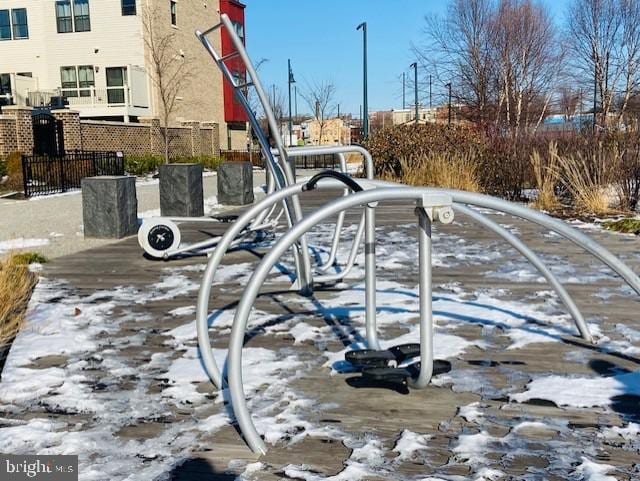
[431,205]
[160,237]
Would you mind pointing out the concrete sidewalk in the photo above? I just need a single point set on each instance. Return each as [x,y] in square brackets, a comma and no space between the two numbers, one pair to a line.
[52,225]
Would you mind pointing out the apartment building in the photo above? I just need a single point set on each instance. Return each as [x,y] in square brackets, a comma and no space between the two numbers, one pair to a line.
[93,53]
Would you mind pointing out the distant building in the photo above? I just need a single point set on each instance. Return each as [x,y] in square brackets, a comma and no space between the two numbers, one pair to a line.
[334,132]
[93,53]
[408,116]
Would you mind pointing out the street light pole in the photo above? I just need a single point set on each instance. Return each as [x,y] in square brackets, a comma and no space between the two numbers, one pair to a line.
[295,89]
[414,65]
[365,102]
[449,120]
[291,81]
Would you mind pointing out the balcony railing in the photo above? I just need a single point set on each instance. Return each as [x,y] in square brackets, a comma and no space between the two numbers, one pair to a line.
[90,97]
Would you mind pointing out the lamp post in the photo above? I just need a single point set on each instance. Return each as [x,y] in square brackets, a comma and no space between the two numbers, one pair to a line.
[414,65]
[291,81]
[449,119]
[365,103]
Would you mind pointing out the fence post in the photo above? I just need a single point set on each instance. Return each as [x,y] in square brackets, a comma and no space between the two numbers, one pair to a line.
[63,183]
[95,166]
[23,161]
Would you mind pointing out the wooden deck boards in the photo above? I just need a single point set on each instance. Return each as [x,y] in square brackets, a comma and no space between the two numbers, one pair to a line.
[385,413]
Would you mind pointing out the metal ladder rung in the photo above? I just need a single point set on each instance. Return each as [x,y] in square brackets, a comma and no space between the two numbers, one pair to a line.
[229,55]
[244,85]
[212,29]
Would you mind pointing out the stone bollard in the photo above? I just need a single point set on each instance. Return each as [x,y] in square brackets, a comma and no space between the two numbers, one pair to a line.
[109,206]
[235,183]
[181,193]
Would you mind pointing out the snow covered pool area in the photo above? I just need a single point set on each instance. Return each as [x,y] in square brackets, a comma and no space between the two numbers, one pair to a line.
[113,375]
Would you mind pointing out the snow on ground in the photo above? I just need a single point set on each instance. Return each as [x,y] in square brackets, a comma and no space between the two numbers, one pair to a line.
[102,393]
[21,243]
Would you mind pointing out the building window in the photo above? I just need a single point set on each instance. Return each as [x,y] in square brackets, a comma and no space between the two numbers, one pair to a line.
[69,79]
[77,81]
[14,22]
[174,13]
[128,7]
[81,15]
[86,80]
[116,83]
[239,28]
[5,84]
[25,74]
[73,17]
[63,16]
[5,25]
[20,26]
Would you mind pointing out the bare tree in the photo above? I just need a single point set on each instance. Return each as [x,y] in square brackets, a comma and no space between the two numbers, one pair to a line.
[457,50]
[170,69]
[528,60]
[605,42]
[569,101]
[320,97]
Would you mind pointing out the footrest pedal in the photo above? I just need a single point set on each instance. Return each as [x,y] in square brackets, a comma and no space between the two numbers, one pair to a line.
[369,358]
[386,374]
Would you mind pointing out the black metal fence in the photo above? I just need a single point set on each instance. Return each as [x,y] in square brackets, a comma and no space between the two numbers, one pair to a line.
[44,174]
[328,161]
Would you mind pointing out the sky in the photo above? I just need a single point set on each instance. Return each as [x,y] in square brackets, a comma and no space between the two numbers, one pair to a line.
[320,38]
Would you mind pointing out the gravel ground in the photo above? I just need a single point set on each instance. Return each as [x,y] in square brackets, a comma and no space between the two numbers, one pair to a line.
[52,225]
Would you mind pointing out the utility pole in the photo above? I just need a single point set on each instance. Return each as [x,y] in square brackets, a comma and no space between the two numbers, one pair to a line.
[403,92]
[365,102]
[338,110]
[414,65]
[449,120]
[291,81]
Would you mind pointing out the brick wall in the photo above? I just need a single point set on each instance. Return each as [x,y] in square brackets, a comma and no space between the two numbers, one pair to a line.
[16,130]
[8,138]
[188,139]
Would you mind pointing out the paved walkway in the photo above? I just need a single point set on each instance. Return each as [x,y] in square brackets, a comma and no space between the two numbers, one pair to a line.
[52,225]
[108,366]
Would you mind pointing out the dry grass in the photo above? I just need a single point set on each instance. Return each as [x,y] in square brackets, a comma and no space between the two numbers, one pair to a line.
[16,285]
[545,171]
[586,180]
[440,170]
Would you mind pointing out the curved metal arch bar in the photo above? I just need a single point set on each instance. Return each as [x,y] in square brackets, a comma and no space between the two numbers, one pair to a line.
[202,310]
[227,241]
[234,359]
[533,258]
[543,220]
[559,227]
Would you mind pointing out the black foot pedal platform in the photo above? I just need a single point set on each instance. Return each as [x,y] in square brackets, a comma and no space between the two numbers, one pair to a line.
[225,218]
[380,367]
[401,374]
[392,357]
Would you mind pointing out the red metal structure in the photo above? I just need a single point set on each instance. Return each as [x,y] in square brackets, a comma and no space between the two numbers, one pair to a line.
[234,114]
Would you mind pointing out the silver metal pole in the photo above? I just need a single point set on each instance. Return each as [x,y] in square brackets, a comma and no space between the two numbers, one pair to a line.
[370,276]
[426,301]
